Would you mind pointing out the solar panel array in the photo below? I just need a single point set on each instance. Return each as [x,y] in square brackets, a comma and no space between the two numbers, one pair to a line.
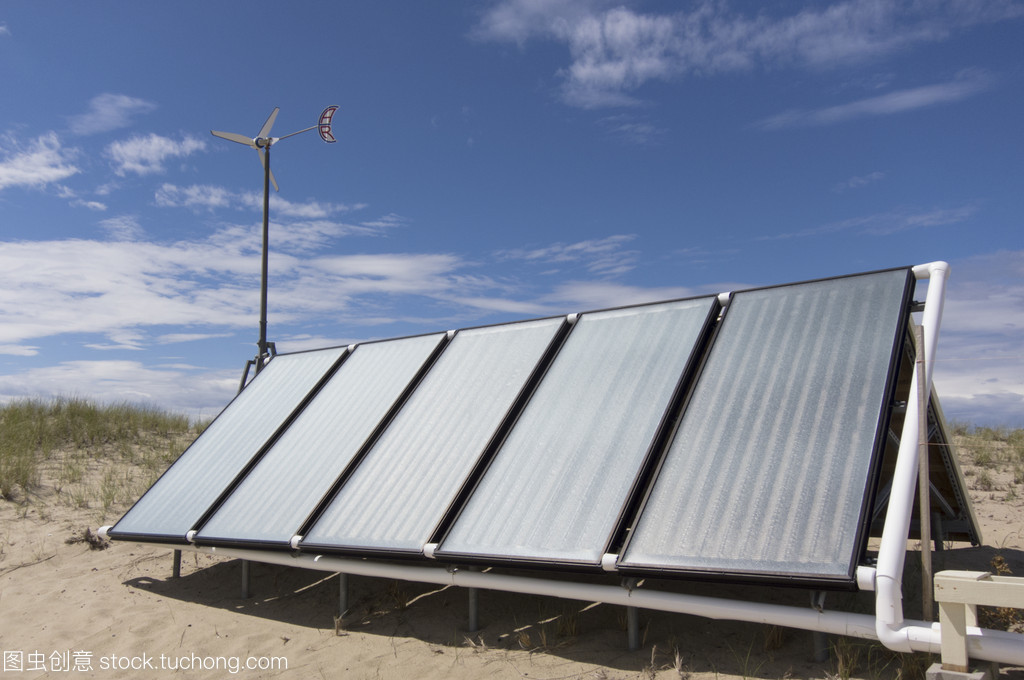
[686,438]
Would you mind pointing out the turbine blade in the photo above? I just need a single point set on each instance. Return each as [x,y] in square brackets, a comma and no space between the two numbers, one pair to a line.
[231,136]
[265,130]
[263,162]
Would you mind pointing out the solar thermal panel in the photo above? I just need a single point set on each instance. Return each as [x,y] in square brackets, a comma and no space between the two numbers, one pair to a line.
[771,469]
[277,495]
[556,488]
[405,484]
[192,484]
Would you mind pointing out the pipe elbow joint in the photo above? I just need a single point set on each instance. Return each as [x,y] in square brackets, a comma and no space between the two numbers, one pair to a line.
[925,271]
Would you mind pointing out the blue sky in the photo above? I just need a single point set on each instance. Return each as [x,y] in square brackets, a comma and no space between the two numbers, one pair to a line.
[495,161]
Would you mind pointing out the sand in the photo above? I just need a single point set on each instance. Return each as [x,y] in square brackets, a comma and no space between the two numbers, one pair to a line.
[117,613]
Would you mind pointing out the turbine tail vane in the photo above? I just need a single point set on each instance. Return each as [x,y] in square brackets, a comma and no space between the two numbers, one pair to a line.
[325,124]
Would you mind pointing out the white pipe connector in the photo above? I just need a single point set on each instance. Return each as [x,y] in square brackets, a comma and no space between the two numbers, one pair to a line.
[865,578]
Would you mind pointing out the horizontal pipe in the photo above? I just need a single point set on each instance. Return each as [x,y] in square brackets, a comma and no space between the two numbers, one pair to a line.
[989,645]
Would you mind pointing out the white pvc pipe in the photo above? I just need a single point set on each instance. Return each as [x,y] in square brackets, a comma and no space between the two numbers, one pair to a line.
[893,547]
[983,644]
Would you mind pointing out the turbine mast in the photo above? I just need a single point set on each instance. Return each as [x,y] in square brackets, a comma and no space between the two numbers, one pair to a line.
[262,143]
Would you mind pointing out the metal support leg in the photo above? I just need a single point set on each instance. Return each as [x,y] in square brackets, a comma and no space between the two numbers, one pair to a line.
[474,610]
[245,580]
[632,616]
[342,595]
[937,532]
[820,638]
[176,565]
[633,628]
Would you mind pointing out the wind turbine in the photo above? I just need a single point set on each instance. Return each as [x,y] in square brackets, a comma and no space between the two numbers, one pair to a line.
[262,143]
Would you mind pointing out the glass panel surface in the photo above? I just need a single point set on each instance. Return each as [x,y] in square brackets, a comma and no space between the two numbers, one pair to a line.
[402,488]
[289,481]
[179,499]
[556,488]
[768,471]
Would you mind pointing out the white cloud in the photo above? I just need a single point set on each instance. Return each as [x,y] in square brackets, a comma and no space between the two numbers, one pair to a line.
[631,130]
[174,338]
[123,228]
[586,295]
[4,30]
[614,50]
[91,205]
[146,155]
[884,224]
[603,257]
[109,112]
[195,196]
[198,392]
[19,350]
[966,84]
[210,197]
[979,367]
[120,292]
[859,182]
[44,161]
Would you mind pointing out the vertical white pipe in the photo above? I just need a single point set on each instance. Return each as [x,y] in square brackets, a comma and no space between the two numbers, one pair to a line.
[893,547]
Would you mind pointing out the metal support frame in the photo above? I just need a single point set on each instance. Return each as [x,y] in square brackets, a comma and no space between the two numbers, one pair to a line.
[474,609]
[924,508]
[342,594]
[820,639]
[633,628]
[246,578]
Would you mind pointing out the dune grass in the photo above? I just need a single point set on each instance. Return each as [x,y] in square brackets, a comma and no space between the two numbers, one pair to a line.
[69,434]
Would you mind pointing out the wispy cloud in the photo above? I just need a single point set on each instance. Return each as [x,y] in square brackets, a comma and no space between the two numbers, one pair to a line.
[884,224]
[966,84]
[119,291]
[123,228]
[212,197]
[109,112]
[602,257]
[858,182]
[198,392]
[632,130]
[42,162]
[4,30]
[145,155]
[197,196]
[584,295]
[614,50]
